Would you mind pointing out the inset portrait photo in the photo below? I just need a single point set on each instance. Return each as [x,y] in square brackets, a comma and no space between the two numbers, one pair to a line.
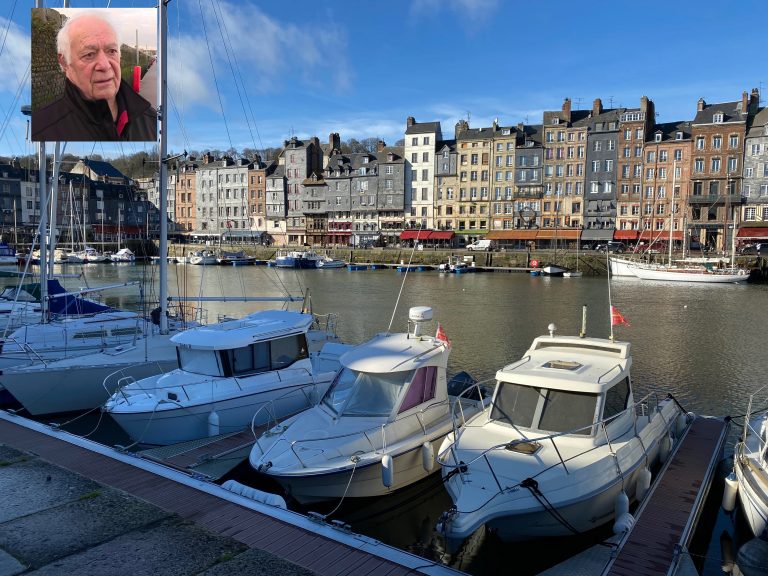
[94,74]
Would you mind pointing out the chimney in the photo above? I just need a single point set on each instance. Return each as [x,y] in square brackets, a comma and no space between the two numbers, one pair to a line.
[207,158]
[334,141]
[597,107]
[380,145]
[461,127]
[644,103]
[410,122]
[521,128]
[744,102]
[700,105]
[567,109]
[754,100]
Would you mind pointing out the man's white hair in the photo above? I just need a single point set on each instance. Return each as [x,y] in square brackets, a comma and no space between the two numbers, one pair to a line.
[62,38]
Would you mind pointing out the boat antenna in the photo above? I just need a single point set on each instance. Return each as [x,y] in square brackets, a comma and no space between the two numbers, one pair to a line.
[405,275]
[583,332]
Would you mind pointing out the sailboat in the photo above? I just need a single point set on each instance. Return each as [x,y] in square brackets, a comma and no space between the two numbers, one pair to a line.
[574,273]
[122,254]
[554,269]
[690,272]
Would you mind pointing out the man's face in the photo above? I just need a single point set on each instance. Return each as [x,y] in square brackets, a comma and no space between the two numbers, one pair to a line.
[94,59]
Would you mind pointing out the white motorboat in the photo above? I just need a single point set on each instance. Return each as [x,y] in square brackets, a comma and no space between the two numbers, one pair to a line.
[201,258]
[297,259]
[377,427]
[123,255]
[235,259]
[226,372]
[87,255]
[750,464]
[561,446]
[553,270]
[327,263]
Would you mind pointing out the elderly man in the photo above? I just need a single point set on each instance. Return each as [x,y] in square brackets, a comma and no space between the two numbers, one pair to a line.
[97,105]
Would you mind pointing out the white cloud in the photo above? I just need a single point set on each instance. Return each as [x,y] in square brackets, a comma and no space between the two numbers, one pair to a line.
[472,13]
[14,59]
[269,56]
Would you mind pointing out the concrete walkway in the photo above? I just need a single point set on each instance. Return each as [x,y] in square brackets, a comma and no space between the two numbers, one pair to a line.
[53,521]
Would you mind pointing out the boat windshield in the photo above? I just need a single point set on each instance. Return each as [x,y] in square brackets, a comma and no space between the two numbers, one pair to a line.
[364,394]
[199,361]
[543,409]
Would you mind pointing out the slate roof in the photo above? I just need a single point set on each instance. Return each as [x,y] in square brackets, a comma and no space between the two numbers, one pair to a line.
[759,121]
[476,134]
[731,112]
[423,128]
[104,169]
[669,131]
[532,132]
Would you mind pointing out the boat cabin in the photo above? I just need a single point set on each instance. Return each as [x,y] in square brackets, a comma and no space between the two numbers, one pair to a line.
[566,385]
[390,376]
[261,342]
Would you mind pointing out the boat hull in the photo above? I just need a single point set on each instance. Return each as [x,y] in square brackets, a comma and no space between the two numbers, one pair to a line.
[366,479]
[66,390]
[171,423]
[683,275]
[753,500]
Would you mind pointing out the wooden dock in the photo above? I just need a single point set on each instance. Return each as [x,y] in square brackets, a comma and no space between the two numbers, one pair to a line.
[318,546]
[669,513]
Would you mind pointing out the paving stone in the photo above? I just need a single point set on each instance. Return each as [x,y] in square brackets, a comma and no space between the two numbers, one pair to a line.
[171,548]
[9,566]
[38,486]
[93,518]
[256,563]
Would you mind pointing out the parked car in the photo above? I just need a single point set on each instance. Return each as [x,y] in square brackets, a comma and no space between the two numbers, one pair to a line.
[612,246]
[760,248]
[481,245]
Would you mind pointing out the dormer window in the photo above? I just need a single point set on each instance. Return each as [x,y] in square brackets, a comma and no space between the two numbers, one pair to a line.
[555,120]
[365,160]
[678,135]
[505,131]
[717,118]
[362,171]
[657,137]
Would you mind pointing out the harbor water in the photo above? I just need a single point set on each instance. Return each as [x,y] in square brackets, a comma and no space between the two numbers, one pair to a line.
[705,344]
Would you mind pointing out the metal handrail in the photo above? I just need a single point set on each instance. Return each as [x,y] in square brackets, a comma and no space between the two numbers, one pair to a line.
[552,439]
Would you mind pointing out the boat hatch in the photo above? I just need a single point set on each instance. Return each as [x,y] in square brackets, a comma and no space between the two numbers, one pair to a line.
[523,447]
[562,365]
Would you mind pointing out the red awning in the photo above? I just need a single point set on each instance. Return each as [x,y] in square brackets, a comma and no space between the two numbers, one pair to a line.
[660,235]
[441,235]
[415,234]
[626,234]
[752,232]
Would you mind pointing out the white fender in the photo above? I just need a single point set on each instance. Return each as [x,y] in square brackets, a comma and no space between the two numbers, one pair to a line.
[623,523]
[387,470]
[254,494]
[621,505]
[681,422]
[213,423]
[427,456]
[643,484]
[730,490]
[665,445]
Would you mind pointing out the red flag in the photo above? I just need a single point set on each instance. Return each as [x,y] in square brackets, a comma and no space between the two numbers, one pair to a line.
[441,335]
[617,318]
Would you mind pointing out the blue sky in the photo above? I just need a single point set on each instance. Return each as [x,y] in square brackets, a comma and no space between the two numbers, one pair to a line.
[360,68]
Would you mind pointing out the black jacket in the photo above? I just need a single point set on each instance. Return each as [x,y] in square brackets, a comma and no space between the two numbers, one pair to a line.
[74,119]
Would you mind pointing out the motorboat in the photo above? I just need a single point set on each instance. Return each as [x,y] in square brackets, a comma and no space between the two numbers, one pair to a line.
[201,258]
[123,255]
[8,255]
[750,465]
[227,371]
[378,425]
[553,270]
[328,263]
[458,265]
[561,447]
[85,381]
[235,259]
[297,259]
[87,255]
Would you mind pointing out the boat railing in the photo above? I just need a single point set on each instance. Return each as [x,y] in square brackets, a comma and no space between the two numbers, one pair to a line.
[25,348]
[531,445]
[123,378]
[762,442]
[325,322]
[269,407]
[476,388]
[371,435]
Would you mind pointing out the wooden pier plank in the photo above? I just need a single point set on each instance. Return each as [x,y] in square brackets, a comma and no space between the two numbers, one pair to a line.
[650,547]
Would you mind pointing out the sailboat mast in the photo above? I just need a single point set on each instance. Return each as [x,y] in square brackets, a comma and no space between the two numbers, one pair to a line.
[672,208]
[163,116]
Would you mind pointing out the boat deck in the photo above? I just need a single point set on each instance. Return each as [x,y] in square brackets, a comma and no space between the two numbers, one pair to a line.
[316,546]
[667,516]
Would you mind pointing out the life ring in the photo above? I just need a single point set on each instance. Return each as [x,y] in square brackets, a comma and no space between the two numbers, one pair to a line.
[534,263]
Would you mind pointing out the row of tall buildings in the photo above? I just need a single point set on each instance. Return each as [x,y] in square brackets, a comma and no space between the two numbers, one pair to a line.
[596,175]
